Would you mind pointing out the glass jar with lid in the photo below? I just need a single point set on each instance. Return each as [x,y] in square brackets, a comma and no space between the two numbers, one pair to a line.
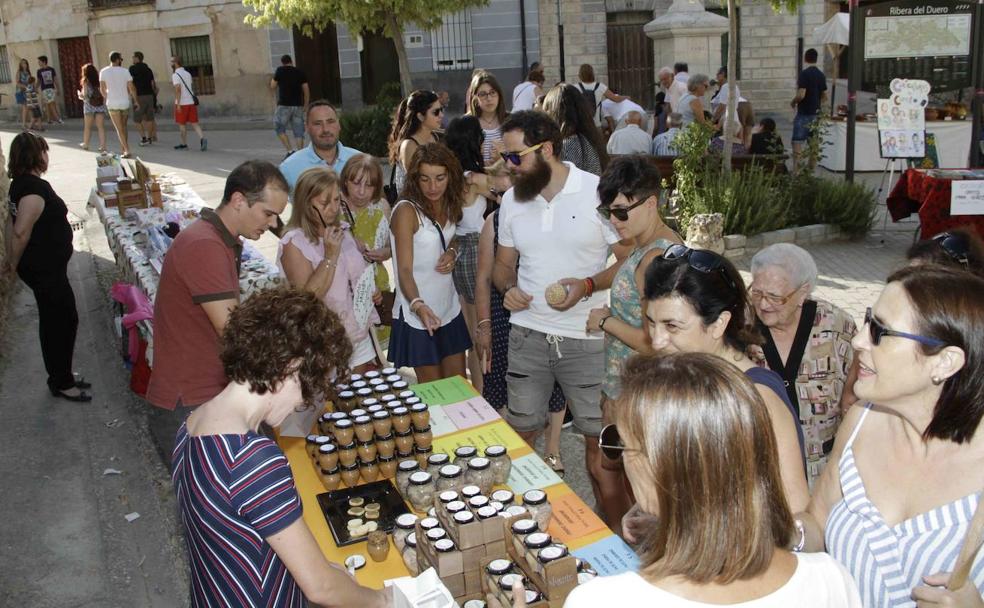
[369,470]
[404,441]
[386,399]
[435,462]
[501,463]
[411,401]
[403,472]
[350,474]
[391,378]
[421,490]
[387,466]
[497,568]
[410,554]
[375,407]
[363,393]
[348,454]
[487,512]
[387,371]
[381,389]
[506,582]
[539,508]
[423,453]
[344,431]
[420,415]
[364,430]
[480,473]
[470,491]
[311,446]
[382,423]
[356,413]
[386,445]
[405,394]
[330,478]
[429,523]
[477,502]
[341,386]
[324,424]
[401,419]
[521,528]
[550,553]
[447,496]
[455,506]
[355,378]
[368,403]
[405,524]
[533,543]
[319,441]
[423,437]
[367,450]
[346,400]
[328,456]
[451,478]
[355,385]
[436,534]
[464,454]
[445,545]
[504,497]
[514,510]
[393,404]
[408,455]
[463,518]
[369,375]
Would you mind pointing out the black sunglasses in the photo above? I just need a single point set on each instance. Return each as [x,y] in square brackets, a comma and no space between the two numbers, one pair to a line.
[877,331]
[955,246]
[437,111]
[611,443]
[700,260]
[620,213]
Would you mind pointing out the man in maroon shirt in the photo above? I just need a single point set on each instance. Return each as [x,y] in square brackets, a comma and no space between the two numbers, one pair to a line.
[200,284]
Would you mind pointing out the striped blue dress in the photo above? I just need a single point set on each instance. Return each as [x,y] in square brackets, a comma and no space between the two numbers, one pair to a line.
[888,562]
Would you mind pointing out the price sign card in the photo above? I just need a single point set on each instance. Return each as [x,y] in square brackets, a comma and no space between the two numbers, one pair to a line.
[967,197]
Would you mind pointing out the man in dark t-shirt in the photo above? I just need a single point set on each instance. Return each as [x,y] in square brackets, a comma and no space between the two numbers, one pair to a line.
[293,95]
[811,91]
[49,90]
[146,86]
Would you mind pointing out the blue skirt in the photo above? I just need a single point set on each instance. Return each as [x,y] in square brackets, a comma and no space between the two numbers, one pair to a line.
[412,347]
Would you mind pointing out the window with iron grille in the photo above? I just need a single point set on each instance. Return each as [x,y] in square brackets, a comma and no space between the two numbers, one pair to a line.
[451,43]
[196,57]
[4,65]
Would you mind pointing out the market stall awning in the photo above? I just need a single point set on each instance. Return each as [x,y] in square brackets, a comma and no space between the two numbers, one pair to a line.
[836,31]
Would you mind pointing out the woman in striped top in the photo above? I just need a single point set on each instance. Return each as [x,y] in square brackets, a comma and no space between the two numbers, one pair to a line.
[247,542]
[910,464]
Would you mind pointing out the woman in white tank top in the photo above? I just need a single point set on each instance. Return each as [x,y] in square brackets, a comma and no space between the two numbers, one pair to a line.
[429,331]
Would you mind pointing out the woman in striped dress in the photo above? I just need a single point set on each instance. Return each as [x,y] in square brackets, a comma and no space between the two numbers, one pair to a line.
[910,465]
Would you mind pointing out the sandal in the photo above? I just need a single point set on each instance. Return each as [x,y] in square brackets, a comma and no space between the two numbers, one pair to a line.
[555,463]
[82,397]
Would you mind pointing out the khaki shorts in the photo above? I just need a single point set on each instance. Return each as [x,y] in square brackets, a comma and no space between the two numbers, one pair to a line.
[578,365]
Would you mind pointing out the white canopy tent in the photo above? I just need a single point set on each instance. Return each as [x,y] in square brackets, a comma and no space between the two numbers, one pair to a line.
[836,34]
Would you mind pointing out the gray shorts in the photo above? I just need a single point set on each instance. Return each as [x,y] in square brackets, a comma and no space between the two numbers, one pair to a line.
[289,117]
[534,366]
[145,113]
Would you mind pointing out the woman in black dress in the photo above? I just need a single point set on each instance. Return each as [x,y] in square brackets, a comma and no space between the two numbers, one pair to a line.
[39,245]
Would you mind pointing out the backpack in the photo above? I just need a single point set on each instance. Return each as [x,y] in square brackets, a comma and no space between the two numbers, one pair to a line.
[589,97]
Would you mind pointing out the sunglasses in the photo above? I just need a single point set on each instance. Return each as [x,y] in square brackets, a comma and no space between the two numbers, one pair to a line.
[700,260]
[611,443]
[620,213]
[437,111]
[517,157]
[877,331]
[955,246]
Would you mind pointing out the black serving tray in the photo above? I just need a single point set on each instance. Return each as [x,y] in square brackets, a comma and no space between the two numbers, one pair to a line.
[334,506]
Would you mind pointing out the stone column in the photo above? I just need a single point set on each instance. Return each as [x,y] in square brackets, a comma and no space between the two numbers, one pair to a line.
[687,32]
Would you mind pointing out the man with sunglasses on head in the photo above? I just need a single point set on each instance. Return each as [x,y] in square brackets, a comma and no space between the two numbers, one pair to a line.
[548,223]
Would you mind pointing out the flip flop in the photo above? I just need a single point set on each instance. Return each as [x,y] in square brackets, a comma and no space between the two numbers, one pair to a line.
[555,463]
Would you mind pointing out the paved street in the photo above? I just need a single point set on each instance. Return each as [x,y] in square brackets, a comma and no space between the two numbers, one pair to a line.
[67,542]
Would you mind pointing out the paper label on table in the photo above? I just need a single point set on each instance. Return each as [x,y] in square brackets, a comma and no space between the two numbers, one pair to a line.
[572,519]
[444,392]
[440,422]
[482,437]
[530,472]
[473,412]
[967,197]
[609,556]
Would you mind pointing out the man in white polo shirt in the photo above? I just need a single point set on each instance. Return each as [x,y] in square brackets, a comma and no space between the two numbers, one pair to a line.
[549,223]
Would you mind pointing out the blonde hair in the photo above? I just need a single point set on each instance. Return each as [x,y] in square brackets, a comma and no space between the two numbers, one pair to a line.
[313,183]
[708,449]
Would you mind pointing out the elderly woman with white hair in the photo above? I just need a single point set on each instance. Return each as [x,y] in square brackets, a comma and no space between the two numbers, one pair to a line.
[692,104]
[807,342]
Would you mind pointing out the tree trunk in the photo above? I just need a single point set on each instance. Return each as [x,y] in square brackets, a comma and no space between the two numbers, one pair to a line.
[396,31]
[731,114]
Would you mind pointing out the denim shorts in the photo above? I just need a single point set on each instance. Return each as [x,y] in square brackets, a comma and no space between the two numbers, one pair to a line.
[801,126]
[536,361]
[289,116]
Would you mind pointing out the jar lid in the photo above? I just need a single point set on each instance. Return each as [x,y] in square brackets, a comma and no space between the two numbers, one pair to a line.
[477,502]
[331,471]
[405,455]
[400,411]
[346,395]
[534,497]
[375,381]
[515,510]
[386,437]
[386,371]
[474,604]
[369,401]
[363,420]
[326,448]
[367,444]
[382,389]
[487,512]
[409,465]
[464,517]
[450,470]
[426,429]
[465,451]
[387,459]
[495,504]
[338,416]
[360,383]
[418,407]
[350,446]
[355,377]
[439,459]
[469,491]
[423,450]
[503,496]
[494,451]
[411,540]
[364,392]
[445,545]
[387,398]
[420,478]
[507,580]
[406,521]
[406,433]
[436,534]
[375,408]
[343,423]
[406,394]
[454,506]
[366,463]
[429,522]
[448,496]
[350,467]
[410,400]
[524,526]
[356,413]
[354,562]
[478,463]
[322,439]
[400,385]
[498,567]
[394,377]
[380,415]
[369,375]
[538,540]
[549,554]
[311,439]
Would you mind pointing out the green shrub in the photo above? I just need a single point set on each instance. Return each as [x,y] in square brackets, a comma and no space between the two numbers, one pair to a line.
[849,206]
[368,129]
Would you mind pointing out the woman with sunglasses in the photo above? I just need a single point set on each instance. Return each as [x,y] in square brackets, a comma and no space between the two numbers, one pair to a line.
[905,476]
[583,144]
[629,193]
[695,301]
[429,331]
[960,248]
[697,442]
[416,122]
[318,253]
[807,342]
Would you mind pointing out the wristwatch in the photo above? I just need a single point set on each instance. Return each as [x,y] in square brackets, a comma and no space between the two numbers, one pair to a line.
[601,324]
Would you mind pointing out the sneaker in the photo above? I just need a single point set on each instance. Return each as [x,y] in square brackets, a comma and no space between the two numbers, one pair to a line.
[204,144]
[144,141]
[568,419]
[181,147]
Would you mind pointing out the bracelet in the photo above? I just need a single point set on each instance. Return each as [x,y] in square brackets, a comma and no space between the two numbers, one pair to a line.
[601,324]
[802,536]
[589,287]
[412,302]
[479,324]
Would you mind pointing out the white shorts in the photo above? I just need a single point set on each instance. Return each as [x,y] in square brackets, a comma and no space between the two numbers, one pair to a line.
[363,352]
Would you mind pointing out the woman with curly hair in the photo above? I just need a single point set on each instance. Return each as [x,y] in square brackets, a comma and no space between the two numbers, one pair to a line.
[417,119]
[429,331]
[247,542]
[583,144]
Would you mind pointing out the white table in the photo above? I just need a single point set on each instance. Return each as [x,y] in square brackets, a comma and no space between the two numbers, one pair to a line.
[952,144]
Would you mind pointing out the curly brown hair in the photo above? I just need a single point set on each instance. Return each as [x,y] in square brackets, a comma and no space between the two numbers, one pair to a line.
[281,331]
[454,197]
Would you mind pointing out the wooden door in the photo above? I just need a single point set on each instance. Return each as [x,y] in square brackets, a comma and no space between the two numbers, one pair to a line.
[317,56]
[630,57]
[379,65]
[73,53]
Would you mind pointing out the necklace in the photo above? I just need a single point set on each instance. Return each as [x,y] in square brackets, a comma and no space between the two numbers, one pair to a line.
[489,124]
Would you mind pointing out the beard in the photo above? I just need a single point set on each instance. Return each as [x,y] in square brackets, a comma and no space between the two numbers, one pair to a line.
[527,185]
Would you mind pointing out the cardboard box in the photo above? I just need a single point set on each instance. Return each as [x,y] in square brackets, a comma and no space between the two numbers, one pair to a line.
[555,580]
[473,580]
[497,598]
[464,536]
[130,199]
[446,564]
[471,559]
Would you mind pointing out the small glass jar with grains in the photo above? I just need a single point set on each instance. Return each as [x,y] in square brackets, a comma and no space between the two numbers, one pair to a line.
[539,508]
[403,472]
[421,490]
[480,474]
[451,478]
[501,463]
[405,525]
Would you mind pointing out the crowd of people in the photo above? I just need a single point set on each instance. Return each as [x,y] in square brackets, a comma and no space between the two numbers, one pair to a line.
[733,433]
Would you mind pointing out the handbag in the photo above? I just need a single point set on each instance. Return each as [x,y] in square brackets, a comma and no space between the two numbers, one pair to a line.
[385,308]
[390,189]
[194,98]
